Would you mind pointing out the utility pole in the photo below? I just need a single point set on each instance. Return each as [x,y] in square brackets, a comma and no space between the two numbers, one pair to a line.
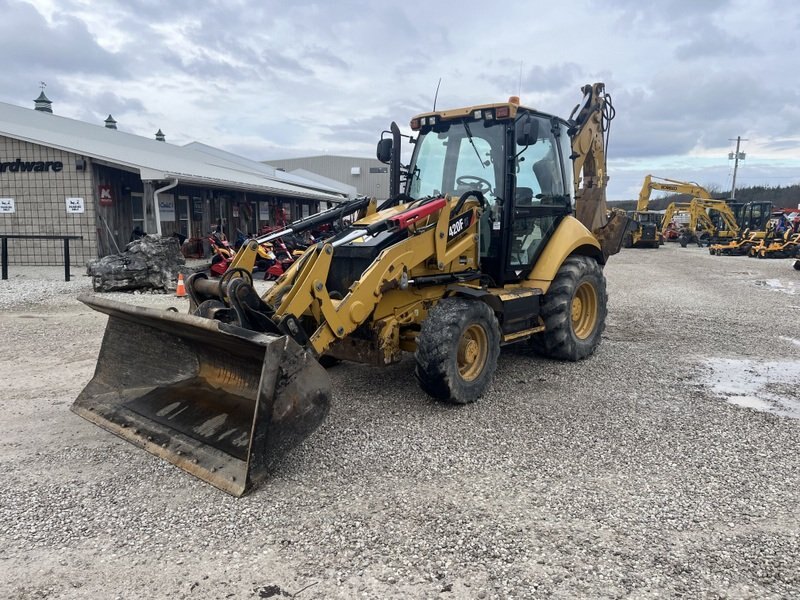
[736,157]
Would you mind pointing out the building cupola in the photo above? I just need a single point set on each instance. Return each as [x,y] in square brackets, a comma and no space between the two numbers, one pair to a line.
[43,104]
[160,136]
[111,123]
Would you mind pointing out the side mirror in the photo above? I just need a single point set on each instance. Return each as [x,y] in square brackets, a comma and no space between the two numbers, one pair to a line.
[527,131]
[384,152]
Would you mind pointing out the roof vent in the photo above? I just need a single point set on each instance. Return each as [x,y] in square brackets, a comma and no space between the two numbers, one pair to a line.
[43,104]
[160,136]
[111,123]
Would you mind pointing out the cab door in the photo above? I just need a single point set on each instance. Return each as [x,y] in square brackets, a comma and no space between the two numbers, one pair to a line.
[540,196]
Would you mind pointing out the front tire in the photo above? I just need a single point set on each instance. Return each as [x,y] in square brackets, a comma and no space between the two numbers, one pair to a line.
[574,311]
[457,350]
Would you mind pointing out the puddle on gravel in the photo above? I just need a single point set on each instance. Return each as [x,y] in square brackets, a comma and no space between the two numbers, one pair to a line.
[768,386]
[777,285]
[794,341]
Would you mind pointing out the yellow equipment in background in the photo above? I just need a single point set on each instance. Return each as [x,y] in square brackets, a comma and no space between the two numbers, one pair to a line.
[649,229]
[785,246]
[739,246]
[709,221]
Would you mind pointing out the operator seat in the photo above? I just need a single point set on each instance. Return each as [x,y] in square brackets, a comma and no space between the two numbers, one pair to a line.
[523,196]
[543,170]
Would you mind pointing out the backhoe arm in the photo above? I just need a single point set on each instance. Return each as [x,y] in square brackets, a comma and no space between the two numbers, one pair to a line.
[588,131]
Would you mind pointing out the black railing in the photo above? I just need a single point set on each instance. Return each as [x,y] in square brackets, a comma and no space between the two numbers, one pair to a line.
[4,241]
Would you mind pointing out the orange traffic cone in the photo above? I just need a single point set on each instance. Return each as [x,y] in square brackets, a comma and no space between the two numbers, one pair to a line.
[180,291]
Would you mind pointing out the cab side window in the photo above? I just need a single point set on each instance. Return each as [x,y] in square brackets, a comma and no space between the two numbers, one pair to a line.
[540,195]
[538,167]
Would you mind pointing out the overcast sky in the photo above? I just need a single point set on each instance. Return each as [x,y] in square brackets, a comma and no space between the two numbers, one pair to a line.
[271,80]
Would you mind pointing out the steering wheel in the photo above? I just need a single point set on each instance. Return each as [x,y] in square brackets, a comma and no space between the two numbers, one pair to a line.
[472,181]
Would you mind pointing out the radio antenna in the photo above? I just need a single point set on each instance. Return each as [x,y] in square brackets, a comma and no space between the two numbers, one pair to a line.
[436,96]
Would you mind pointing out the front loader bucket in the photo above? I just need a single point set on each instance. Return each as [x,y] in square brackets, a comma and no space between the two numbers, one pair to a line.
[218,401]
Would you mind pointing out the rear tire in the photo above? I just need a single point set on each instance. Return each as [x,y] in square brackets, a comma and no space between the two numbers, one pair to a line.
[457,350]
[574,311]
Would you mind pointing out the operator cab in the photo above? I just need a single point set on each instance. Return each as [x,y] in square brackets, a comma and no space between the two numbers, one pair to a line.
[514,157]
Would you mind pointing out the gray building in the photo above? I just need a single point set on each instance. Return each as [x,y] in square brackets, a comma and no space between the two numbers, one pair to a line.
[368,176]
[61,176]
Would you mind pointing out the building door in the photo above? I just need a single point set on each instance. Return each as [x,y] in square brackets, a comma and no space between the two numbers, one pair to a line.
[137,212]
[184,210]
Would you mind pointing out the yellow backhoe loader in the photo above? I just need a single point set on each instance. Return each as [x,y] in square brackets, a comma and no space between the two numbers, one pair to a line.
[496,232]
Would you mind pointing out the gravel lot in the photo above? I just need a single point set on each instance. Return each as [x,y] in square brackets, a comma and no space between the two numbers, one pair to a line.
[625,475]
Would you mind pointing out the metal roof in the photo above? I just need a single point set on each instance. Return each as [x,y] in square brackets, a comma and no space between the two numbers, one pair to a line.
[351,189]
[155,160]
[237,161]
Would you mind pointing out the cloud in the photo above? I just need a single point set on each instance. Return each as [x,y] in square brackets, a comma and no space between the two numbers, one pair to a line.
[271,79]
[37,50]
[710,41]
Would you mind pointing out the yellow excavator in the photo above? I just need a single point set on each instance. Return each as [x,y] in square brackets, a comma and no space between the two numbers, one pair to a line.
[496,232]
[647,231]
[709,221]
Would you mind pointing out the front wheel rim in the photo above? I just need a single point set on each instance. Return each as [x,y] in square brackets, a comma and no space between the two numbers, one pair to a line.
[473,350]
[584,310]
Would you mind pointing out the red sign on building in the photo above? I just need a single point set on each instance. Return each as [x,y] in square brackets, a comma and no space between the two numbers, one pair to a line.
[105,195]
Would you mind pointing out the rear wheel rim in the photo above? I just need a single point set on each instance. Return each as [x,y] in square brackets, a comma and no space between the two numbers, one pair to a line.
[584,310]
[473,350]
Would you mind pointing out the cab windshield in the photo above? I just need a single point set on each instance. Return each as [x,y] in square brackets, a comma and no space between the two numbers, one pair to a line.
[648,217]
[456,157]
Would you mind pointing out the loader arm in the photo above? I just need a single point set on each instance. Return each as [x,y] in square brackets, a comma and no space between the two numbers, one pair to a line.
[246,255]
[304,290]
